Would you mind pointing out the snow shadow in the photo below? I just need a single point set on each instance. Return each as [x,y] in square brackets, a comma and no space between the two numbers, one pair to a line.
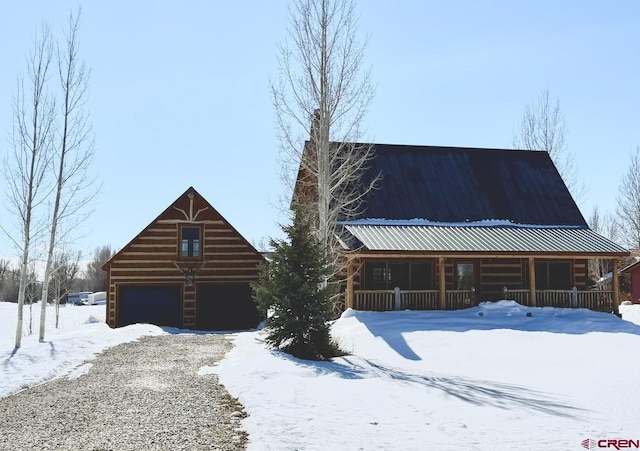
[392,336]
[473,391]
[482,392]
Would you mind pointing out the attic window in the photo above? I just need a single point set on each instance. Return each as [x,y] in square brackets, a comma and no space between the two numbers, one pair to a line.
[190,242]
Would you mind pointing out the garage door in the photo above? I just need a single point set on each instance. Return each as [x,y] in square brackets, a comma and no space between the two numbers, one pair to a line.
[225,307]
[154,304]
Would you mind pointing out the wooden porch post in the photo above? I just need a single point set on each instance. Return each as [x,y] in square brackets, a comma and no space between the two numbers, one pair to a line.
[616,286]
[349,294]
[441,284]
[532,282]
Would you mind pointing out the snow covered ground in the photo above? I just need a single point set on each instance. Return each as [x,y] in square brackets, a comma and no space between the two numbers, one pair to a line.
[81,335]
[447,381]
[413,380]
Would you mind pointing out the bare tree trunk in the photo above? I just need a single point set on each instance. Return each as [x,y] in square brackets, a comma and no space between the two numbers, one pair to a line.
[25,169]
[628,210]
[323,93]
[76,149]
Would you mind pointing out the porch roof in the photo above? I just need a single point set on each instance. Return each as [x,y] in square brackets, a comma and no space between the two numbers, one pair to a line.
[473,239]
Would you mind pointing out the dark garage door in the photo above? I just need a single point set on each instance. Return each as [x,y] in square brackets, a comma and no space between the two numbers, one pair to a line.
[154,304]
[225,307]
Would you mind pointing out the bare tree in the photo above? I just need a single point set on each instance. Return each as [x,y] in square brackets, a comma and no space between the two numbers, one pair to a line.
[74,155]
[31,293]
[10,284]
[628,210]
[4,273]
[25,167]
[323,93]
[544,127]
[606,226]
[96,276]
[65,276]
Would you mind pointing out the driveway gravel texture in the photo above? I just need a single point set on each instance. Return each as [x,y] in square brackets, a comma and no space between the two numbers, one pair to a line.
[143,395]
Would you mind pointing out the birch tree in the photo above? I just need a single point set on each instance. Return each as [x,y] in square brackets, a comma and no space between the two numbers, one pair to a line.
[544,127]
[323,93]
[74,154]
[628,209]
[25,167]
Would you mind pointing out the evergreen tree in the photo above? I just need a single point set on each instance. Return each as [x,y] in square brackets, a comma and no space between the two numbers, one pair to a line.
[290,290]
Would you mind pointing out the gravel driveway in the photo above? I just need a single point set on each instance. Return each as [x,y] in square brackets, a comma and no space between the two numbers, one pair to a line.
[144,395]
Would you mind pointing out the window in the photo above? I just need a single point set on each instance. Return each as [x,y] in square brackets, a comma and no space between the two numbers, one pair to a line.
[422,276]
[375,276]
[407,275]
[553,276]
[464,276]
[190,242]
[399,276]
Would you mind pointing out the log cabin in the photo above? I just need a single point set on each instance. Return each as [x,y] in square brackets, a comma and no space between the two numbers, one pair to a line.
[189,268]
[448,227]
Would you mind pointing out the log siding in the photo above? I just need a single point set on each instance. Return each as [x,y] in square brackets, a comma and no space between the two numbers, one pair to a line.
[153,256]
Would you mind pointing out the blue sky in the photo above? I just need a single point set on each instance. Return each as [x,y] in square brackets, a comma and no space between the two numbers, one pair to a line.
[179,93]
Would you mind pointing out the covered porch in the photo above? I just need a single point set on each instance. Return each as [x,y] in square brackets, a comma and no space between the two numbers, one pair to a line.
[444,268]
[427,282]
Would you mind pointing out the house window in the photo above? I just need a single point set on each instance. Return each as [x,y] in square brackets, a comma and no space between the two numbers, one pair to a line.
[375,275]
[464,276]
[422,276]
[399,276]
[406,275]
[553,276]
[190,242]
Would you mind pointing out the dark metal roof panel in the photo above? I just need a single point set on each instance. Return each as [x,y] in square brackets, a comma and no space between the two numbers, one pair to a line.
[451,184]
[481,239]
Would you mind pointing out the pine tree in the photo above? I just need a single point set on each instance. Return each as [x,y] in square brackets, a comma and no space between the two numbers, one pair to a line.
[290,289]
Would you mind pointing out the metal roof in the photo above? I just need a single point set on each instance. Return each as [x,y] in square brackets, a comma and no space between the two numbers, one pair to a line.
[455,184]
[480,239]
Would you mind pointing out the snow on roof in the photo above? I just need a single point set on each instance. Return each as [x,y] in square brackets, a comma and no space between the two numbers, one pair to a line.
[426,222]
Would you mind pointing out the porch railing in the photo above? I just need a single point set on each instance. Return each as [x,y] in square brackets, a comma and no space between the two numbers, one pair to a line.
[377,300]
[520,296]
[600,300]
[459,299]
[420,300]
[382,300]
[554,298]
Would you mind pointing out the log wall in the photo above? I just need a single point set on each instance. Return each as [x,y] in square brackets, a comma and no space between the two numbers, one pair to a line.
[153,257]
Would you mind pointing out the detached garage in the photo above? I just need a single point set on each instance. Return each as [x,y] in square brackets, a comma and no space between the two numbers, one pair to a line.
[189,268]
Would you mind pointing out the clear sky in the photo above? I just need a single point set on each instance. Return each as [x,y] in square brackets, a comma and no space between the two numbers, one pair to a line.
[179,93]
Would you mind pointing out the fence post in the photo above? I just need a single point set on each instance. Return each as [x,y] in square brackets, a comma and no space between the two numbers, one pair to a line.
[398,298]
[505,293]
[574,297]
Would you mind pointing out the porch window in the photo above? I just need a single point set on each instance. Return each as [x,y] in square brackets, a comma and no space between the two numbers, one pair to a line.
[375,276]
[464,276]
[399,276]
[422,276]
[190,242]
[553,276]
[407,275]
